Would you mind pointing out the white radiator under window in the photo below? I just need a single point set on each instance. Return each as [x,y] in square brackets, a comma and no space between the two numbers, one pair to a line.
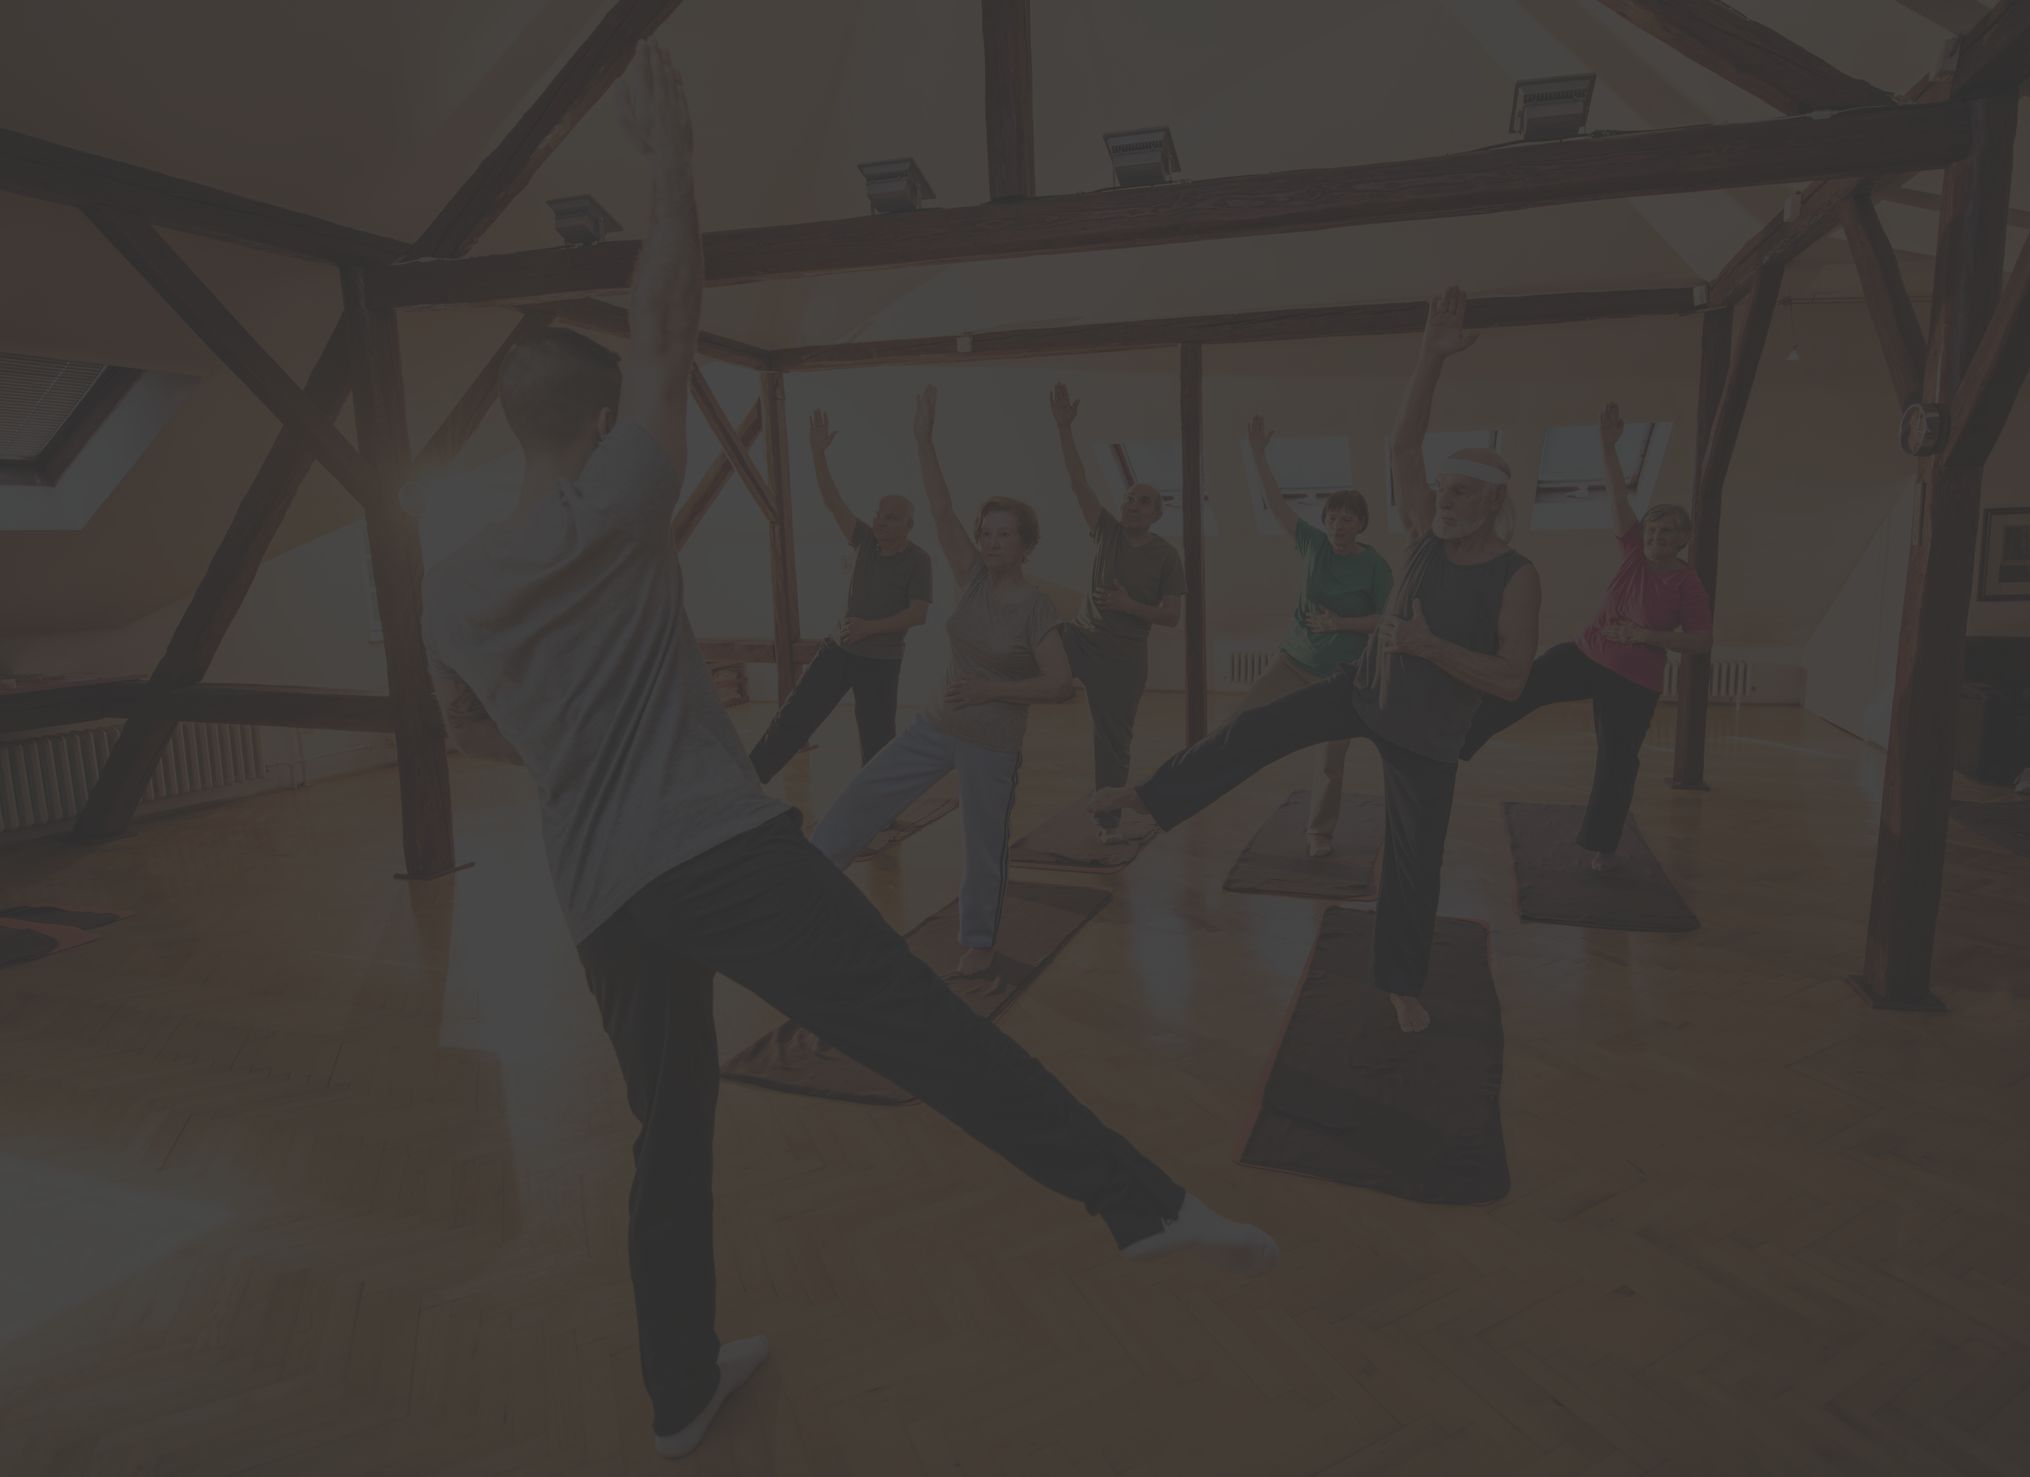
[1245,664]
[46,776]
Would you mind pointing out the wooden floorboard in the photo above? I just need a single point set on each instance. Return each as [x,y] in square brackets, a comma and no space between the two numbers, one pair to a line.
[309,1171]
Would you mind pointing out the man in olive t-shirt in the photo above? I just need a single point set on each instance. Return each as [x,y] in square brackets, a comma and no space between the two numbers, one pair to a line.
[889,593]
[1137,582]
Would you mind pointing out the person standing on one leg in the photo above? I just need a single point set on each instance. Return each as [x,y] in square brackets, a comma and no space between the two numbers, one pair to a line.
[1654,604]
[1005,655]
[889,593]
[1346,586]
[1137,582]
[1461,624]
[558,639]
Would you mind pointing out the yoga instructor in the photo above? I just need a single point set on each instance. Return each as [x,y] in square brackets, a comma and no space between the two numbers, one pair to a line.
[1461,625]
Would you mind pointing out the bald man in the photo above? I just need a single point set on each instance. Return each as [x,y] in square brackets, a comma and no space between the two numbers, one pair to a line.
[889,593]
[1137,582]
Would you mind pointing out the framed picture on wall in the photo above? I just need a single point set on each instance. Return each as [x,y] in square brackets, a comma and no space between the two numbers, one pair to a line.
[2005,554]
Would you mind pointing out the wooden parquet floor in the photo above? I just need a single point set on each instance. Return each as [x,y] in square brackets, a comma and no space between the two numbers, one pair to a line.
[307,1172]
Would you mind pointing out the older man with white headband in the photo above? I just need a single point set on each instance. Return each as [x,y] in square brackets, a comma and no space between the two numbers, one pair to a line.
[1461,625]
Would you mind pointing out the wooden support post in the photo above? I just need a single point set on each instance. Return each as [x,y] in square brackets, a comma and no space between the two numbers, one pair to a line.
[715,477]
[1127,468]
[1887,297]
[1917,772]
[781,534]
[731,446]
[1011,140]
[1720,429]
[237,349]
[380,412]
[109,809]
[1191,424]
[1688,754]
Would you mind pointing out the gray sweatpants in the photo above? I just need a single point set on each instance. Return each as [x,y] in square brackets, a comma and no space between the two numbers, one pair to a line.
[920,756]
[1113,691]
[1328,765]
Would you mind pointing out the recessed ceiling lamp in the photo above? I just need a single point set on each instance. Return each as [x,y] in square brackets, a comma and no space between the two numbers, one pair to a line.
[1142,156]
[1551,107]
[895,185]
[581,220]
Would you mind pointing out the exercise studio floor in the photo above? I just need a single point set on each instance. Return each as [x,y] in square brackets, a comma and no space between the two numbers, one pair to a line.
[309,1172]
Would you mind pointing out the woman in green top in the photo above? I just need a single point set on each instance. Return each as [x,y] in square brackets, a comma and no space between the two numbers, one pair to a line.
[1346,586]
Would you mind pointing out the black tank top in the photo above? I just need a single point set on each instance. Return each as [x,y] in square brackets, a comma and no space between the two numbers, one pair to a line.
[1428,710]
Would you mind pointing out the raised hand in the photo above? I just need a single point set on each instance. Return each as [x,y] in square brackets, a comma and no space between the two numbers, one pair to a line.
[1259,436]
[654,110]
[822,434]
[1063,409]
[926,413]
[1611,425]
[1445,331]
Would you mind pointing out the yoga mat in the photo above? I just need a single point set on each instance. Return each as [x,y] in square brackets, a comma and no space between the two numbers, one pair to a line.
[1277,861]
[1070,842]
[1555,884]
[68,917]
[1037,919]
[939,801]
[24,939]
[1352,1098]
[2004,822]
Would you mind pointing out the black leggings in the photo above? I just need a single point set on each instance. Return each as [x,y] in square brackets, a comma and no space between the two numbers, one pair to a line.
[770,913]
[833,672]
[1417,793]
[1621,714]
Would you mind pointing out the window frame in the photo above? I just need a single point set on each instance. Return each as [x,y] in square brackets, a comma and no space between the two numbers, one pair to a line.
[75,434]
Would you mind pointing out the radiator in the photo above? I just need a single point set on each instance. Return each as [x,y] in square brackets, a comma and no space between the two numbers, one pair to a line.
[1735,679]
[45,777]
[1245,664]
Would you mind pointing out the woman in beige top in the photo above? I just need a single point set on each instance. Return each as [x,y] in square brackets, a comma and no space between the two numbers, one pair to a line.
[1005,655]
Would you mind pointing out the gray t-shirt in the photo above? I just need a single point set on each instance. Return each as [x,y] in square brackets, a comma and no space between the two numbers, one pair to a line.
[996,641]
[1150,572]
[884,585]
[567,623]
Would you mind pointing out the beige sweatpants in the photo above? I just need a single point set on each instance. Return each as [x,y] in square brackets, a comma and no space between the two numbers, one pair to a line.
[1328,773]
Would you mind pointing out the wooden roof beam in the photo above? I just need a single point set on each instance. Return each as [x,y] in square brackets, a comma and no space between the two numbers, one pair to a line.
[1483,182]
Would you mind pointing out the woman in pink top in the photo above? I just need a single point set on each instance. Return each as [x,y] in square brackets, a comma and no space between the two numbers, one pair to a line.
[1654,605]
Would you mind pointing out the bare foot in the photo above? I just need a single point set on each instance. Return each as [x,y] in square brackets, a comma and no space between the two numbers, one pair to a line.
[1111,836]
[1234,1245]
[1410,1012]
[1122,797]
[737,1361]
[1605,861]
[976,961]
[1318,844]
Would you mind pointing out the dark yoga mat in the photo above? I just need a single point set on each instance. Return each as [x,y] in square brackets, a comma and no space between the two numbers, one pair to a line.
[1554,884]
[933,805]
[1070,842]
[2004,822]
[1277,861]
[1037,920]
[34,932]
[1352,1098]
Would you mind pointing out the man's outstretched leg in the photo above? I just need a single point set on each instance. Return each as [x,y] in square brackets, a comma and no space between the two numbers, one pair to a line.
[657,1010]
[768,911]
[827,679]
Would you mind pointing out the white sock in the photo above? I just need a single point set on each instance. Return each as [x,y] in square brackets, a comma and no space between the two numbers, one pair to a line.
[737,1361]
[1234,1245]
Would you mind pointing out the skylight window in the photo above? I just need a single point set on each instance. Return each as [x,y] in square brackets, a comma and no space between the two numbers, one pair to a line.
[49,410]
[1161,465]
[1572,478]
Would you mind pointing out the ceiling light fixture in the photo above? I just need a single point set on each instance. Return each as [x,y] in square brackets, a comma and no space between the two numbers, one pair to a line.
[582,221]
[1142,156]
[895,185]
[1551,107]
